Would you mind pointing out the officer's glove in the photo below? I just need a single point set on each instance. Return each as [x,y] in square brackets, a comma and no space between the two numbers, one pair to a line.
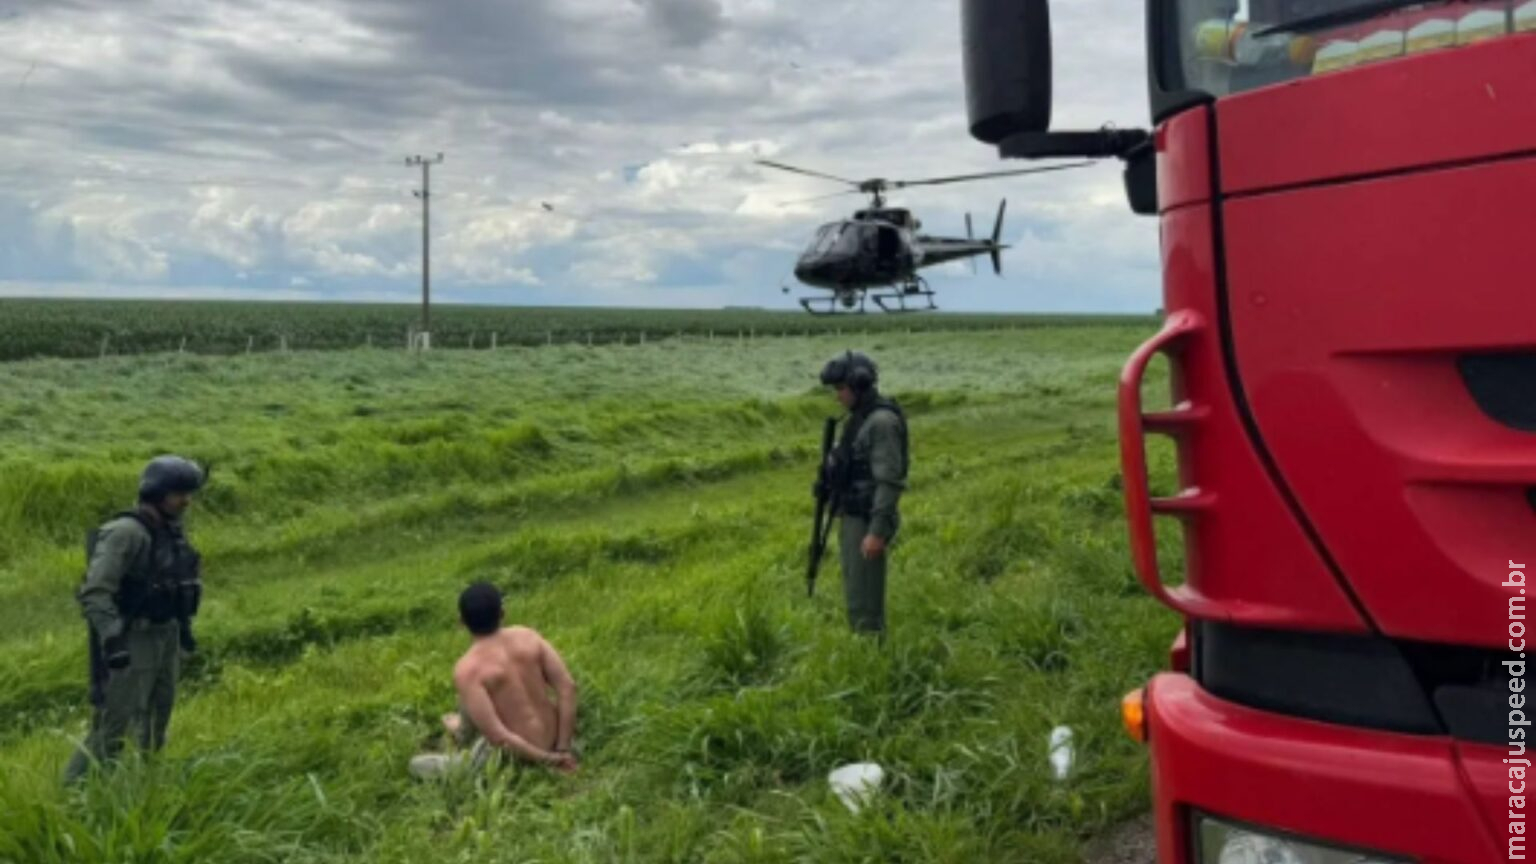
[115,651]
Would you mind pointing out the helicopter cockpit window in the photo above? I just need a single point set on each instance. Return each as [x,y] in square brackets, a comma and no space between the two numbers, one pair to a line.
[825,238]
[865,238]
[849,239]
[877,240]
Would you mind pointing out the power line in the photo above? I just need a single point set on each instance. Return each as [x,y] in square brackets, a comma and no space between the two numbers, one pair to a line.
[117,114]
[37,182]
[196,182]
[43,176]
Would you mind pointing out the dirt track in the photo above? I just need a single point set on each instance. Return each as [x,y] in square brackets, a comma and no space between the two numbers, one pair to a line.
[1130,843]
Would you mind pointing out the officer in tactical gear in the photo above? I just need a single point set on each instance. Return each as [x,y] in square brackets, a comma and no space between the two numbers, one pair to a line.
[142,587]
[867,472]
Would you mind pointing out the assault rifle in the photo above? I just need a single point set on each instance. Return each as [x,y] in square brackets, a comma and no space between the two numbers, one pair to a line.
[826,506]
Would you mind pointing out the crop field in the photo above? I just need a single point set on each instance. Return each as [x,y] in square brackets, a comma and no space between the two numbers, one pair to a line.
[647,508]
[65,328]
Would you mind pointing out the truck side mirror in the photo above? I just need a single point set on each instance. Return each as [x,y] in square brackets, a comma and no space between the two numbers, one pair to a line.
[1007,49]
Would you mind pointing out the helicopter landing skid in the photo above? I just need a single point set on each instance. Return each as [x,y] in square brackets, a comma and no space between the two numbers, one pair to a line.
[900,299]
[834,304]
[826,306]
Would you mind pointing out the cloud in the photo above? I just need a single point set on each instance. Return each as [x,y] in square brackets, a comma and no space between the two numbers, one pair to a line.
[685,22]
[194,145]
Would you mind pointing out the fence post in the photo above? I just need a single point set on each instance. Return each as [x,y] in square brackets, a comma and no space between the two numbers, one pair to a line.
[471,340]
[642,337]
[282,342]
[589,338]
[493,340]
[250,344]
[549,337]
[183,348]
[105,341]
[368,341]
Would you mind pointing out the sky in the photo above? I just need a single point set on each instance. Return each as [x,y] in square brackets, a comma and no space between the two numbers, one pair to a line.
[255,149]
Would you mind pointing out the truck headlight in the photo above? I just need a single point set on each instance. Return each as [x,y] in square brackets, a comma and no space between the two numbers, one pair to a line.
[1226,843]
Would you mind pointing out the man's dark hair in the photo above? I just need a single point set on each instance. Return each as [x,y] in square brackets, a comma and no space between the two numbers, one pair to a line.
[480,608]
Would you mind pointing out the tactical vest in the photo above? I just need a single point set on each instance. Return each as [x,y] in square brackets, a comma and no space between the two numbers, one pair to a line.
[164,585]
[854,477]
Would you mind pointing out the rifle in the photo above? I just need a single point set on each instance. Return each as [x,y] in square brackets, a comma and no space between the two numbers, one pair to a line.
[189,589]
[821,526]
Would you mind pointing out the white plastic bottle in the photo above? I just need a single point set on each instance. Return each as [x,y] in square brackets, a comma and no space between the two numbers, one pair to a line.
[1061,752]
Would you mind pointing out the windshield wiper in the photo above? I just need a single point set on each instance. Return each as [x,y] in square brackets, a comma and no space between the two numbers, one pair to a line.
[1337,18]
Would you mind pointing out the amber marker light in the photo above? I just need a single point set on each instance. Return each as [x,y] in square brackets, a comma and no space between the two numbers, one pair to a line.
[1133,715]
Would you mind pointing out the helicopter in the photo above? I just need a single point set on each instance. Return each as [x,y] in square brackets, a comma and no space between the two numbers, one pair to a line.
[880,249]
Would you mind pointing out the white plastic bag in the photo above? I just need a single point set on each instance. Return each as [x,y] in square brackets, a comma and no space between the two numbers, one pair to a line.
[856,785]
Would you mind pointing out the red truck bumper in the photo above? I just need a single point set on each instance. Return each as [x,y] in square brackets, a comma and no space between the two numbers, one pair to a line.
[1402,795]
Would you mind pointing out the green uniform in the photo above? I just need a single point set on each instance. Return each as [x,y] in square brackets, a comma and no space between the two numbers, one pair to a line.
[874,450]
[130,593]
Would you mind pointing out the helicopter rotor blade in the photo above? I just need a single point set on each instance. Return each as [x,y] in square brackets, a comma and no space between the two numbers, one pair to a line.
[819,198]
[965,178]
[807,172]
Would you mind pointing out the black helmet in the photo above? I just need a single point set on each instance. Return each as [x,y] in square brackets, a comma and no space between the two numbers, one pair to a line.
[167,475]
[852,369]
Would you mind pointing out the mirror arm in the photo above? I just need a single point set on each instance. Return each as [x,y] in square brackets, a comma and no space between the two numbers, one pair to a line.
[1099,144]
[1131,146]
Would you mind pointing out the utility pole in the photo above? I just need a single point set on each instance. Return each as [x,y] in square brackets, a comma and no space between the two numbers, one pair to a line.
[425,194]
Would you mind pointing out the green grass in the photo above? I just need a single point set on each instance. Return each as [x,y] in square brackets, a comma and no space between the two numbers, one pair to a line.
[645,508]
[79,328]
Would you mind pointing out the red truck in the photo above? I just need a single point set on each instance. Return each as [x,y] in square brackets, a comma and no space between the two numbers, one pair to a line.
[1347,197]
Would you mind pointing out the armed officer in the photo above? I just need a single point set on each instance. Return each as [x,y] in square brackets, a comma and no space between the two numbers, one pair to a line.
[867,474]
[142,588]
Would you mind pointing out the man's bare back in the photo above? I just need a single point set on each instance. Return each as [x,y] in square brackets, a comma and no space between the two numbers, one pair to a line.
[517,692]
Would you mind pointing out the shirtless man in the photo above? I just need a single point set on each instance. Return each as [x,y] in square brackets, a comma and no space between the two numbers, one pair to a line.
[504,682]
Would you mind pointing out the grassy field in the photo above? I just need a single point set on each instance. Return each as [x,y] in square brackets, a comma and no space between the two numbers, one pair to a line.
[73,328]
[646,507]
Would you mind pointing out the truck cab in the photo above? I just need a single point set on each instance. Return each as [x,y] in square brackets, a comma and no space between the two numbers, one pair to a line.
[1344,189]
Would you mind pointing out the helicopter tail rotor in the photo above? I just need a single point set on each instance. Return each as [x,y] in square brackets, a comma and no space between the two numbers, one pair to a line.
[970,234]
[997,238]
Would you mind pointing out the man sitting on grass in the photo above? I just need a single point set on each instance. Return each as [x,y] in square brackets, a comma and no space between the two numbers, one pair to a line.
[504,682]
